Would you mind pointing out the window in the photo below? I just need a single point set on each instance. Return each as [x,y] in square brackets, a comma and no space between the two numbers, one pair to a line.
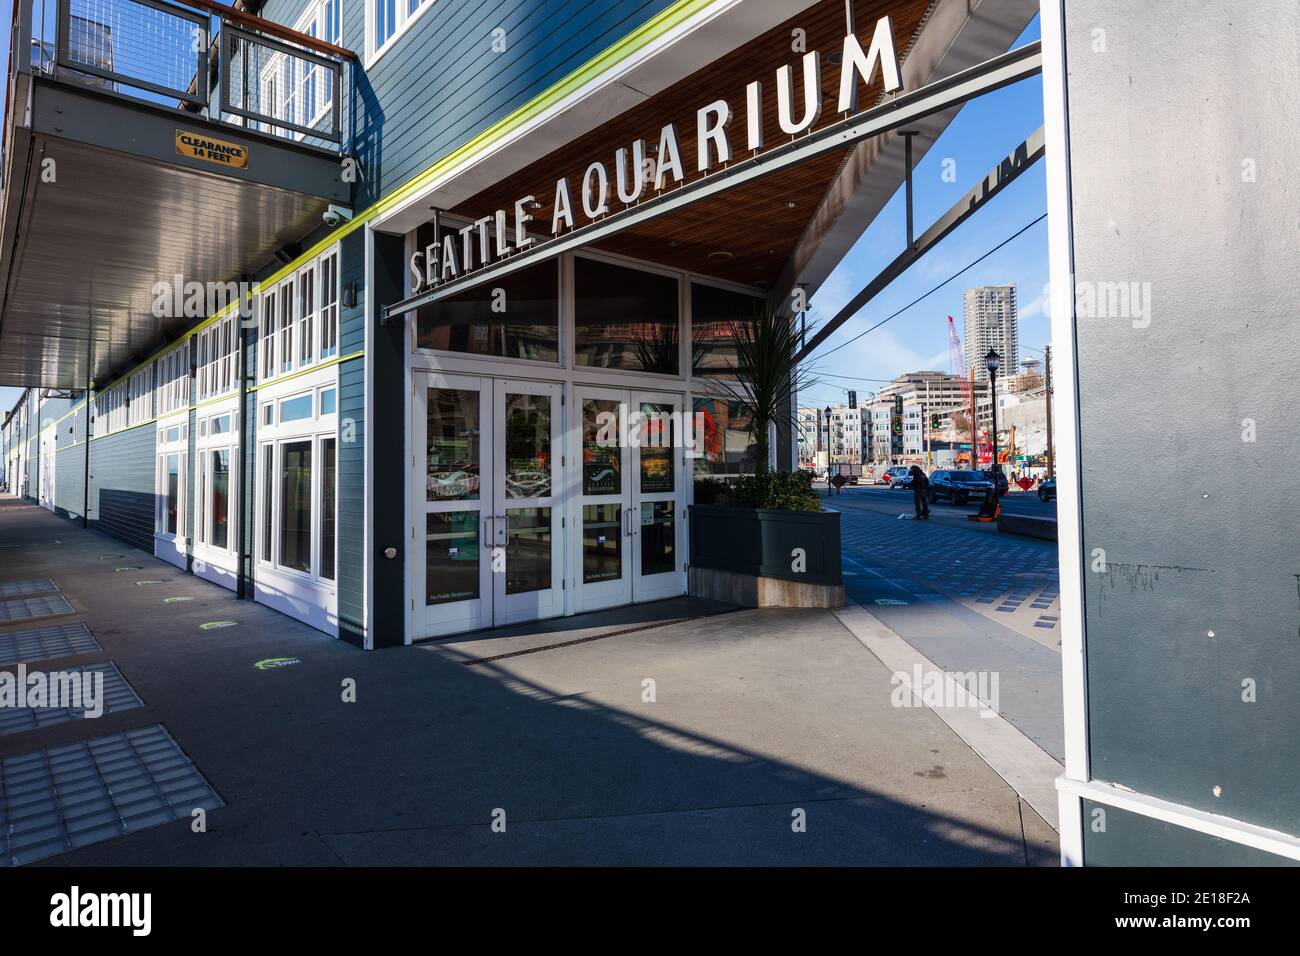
[295,409]
[386,20]
[140,396]
[517,316]
[218,353]
[625,318]
[300,317]
[297,483]
[267,456]
[219,498]
[295,505]
[174,379]
[327,496]
[728,439]
[323,19]
[169,518]
[715,313]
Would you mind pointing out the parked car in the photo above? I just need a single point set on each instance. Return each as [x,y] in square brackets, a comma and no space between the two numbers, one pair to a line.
[901,480]
[1047,490]
[959,486]
[1003,484]
[889,474]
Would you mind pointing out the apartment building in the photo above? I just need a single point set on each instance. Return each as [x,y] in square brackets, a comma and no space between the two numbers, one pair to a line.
[992,323]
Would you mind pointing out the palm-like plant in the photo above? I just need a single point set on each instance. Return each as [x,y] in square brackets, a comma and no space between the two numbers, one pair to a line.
[766,379]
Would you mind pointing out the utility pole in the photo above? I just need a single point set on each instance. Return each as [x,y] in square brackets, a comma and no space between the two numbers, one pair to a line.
[974,431]
[1047,393]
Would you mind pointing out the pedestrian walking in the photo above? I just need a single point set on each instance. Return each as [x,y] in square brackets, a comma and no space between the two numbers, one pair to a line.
[920,493]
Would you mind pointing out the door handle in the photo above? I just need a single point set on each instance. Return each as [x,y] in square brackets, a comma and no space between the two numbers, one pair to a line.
[483,532]
[627,522]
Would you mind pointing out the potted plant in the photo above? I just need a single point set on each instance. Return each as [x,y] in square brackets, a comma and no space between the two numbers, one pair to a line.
[764,540]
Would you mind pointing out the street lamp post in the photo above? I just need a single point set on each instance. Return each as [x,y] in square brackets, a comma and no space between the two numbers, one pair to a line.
[993,362]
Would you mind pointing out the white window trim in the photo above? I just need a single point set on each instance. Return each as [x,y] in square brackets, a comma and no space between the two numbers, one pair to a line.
[271,440]
[315,16]
[271,304]
[405,22]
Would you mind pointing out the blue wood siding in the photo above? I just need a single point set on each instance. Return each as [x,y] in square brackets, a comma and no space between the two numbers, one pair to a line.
[442,83]
[122,485]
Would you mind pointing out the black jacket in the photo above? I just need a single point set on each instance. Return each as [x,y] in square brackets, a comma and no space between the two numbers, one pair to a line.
[920,482]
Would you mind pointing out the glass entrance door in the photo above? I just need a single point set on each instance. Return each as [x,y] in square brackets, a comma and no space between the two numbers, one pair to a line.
[527,520]
[451,587]
[484,500]
[627,509]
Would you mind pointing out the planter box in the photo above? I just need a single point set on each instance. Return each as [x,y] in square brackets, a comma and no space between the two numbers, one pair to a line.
[746,556]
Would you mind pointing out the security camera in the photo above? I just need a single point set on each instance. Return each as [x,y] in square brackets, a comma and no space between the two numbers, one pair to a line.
[336,214]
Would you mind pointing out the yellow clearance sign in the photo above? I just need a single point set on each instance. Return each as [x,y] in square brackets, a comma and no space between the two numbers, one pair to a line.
[197,146]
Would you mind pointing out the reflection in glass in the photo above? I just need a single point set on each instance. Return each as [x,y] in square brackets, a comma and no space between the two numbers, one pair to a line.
[625,318]
[451,552]
[328,484]
[715,314]
[452,444]
[173,491]
[728,442]
[658,537]
[220,499]
[656,439]
[601,452]
[602,543]
[528,446]
[520,321]
[295,506]
[268,474]
[528,551]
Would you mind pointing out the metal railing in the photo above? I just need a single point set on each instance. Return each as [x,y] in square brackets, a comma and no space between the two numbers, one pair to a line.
[196,56]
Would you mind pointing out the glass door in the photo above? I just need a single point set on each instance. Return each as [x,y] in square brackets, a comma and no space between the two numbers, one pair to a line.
[657,542]
[600,514]
[451,588]
[631,544]
[527,519]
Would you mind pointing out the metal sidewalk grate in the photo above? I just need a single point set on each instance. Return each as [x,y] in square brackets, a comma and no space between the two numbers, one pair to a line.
[27,609]
[10,589]
[47,643]
[64,798]
[117,695]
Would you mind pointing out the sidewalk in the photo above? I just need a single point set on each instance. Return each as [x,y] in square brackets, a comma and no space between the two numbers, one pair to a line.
[757,720]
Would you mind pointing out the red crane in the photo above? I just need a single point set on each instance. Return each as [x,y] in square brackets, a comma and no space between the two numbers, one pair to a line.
[967,385]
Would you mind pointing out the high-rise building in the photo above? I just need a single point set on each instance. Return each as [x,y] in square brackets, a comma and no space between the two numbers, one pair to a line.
[991,324]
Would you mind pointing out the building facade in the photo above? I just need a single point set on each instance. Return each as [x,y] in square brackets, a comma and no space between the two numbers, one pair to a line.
[992,322]
[367,421]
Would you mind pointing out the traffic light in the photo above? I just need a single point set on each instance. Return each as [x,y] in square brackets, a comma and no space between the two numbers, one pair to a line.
[934,422]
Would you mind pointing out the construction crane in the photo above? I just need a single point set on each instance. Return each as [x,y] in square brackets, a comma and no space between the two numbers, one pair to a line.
[967,379]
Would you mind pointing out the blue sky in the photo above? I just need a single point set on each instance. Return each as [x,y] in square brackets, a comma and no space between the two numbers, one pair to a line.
[984,131]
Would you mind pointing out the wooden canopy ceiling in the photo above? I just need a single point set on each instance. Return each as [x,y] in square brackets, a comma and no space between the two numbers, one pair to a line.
[745,235]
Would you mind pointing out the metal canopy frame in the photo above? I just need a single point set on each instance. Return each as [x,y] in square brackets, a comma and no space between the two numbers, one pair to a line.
[900,111]
[997,179]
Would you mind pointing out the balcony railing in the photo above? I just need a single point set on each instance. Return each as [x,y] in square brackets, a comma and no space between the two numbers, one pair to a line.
[198,57]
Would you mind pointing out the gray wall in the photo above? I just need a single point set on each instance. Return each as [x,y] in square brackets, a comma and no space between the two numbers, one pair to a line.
[1182,141]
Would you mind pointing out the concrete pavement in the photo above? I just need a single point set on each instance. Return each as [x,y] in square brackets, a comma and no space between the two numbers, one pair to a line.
[766,737]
